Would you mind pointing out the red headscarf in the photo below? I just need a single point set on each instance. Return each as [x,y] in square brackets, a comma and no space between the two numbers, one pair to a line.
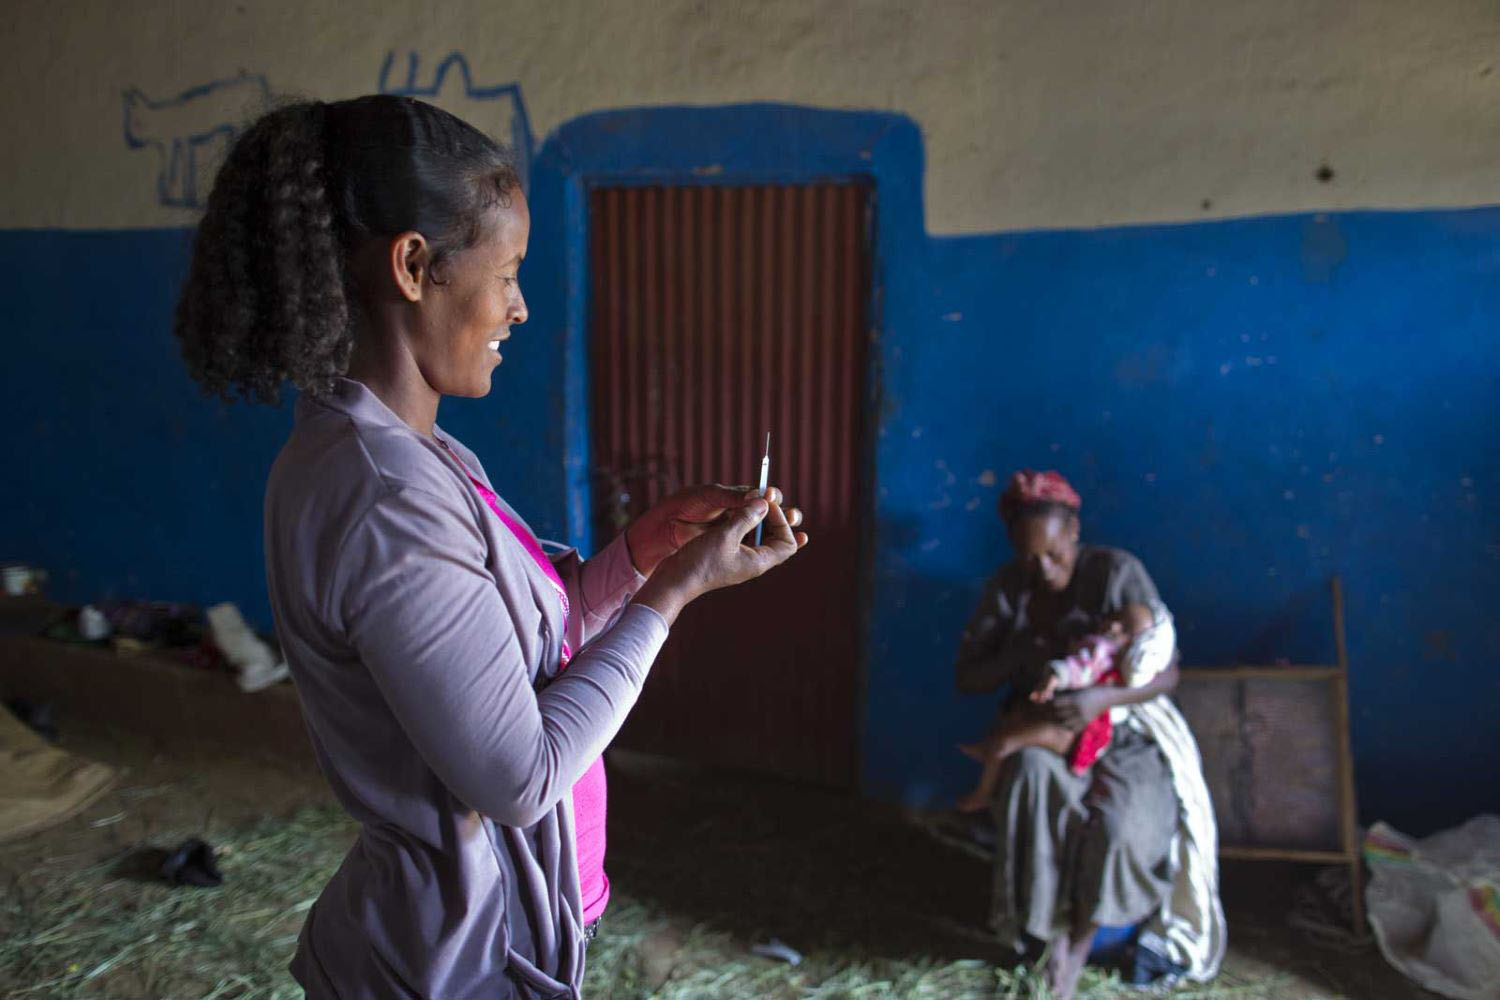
[1028,487]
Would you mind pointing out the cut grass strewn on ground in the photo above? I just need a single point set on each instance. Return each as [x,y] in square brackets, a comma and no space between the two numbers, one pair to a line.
[643,956]
[109,929]
[106,931]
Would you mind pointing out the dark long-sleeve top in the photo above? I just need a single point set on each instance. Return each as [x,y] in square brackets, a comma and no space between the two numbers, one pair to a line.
[1005,644]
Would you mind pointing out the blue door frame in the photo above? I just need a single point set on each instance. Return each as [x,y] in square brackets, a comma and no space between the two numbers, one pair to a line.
[740,145]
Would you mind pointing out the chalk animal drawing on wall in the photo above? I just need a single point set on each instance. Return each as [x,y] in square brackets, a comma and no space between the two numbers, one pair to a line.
[496,109]
[191,132]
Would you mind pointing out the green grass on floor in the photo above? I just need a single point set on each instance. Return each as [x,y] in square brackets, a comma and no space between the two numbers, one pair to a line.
[98,932]
[641,954]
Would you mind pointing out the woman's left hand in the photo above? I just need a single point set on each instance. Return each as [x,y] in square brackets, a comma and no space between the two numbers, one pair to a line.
[684,516]
[1076,709]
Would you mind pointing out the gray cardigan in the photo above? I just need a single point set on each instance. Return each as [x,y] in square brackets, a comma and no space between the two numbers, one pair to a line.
[424,643]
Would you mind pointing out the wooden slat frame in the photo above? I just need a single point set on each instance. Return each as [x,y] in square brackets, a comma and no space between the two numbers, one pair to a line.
[1338,676]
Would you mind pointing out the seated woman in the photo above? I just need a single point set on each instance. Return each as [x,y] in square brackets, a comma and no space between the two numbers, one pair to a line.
[1133,840]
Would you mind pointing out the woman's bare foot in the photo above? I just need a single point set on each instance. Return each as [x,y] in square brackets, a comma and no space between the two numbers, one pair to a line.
[1065,964]
[1057,960]
[973,802]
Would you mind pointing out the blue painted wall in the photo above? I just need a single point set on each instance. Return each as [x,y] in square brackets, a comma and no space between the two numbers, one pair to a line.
[1250,406]
[120,477]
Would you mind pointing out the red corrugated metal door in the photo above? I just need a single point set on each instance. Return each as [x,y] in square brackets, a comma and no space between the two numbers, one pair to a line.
[720,313]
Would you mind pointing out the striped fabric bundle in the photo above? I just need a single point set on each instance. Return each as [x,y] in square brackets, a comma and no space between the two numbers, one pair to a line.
[1189,928]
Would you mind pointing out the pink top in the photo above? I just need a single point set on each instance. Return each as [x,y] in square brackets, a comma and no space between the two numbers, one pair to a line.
[1093,662]
[590,794]
[1087,664]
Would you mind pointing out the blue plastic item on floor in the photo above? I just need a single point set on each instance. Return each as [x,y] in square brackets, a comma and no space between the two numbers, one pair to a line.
[1111,942]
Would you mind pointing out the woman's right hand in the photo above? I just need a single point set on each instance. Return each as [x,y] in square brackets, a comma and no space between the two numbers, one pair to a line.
[719,558]
[1046,691]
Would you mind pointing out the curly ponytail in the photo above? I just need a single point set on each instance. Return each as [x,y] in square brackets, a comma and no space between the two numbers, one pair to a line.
[268,298]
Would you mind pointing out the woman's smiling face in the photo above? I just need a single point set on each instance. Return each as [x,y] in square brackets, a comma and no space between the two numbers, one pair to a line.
[1047,545]
[475,299]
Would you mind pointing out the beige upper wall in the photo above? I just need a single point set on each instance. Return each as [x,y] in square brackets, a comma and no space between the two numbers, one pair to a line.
[1035,113]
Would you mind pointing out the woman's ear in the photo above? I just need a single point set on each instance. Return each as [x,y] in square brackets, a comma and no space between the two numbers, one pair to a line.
[410,261]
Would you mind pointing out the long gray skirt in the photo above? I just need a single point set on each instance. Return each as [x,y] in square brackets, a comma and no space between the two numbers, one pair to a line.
[1094,846]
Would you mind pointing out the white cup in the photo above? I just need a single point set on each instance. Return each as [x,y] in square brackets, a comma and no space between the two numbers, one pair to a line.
[17,580]
[92,624]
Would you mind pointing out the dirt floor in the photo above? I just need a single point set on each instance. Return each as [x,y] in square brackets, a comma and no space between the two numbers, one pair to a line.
[704,866]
